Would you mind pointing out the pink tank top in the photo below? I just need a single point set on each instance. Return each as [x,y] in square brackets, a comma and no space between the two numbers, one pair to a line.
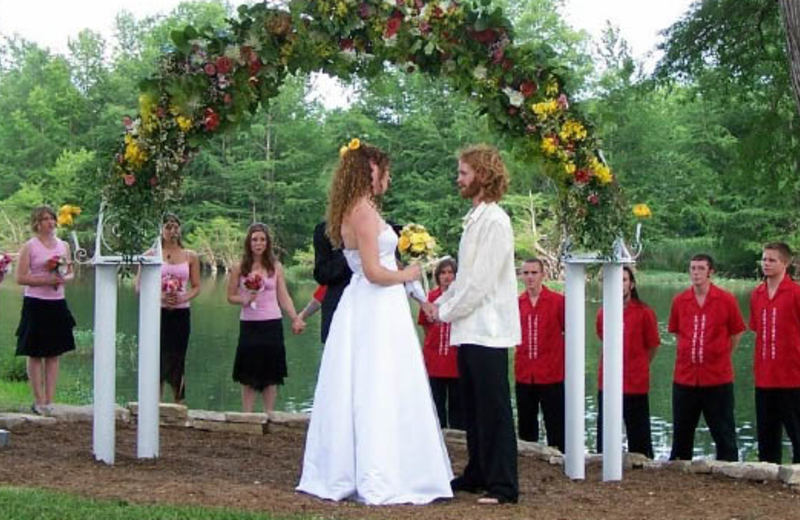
[266,302]
[175,277]
[40,256]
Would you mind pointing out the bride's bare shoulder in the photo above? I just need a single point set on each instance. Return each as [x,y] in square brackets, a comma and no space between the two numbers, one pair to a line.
[363,211]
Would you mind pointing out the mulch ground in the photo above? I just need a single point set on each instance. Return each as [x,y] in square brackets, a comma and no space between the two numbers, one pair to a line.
[259,474]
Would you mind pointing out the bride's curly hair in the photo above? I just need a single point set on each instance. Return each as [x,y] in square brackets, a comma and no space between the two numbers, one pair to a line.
[351,182]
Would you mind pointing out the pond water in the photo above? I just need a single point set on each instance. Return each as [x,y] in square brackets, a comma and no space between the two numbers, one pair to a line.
[214,336]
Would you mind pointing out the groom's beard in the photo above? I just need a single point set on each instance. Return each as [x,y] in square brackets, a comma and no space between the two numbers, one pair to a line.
[469,192]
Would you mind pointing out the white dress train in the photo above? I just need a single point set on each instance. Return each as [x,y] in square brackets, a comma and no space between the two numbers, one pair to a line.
[374,434]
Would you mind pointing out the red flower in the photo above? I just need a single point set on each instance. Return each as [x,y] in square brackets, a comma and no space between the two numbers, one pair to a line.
[437,12]
[211,120]
[224,65]
[245,51]
[512,111]
[227,99]
[255,66]
[210,69]
[486,36]
[129,179]
[582,176]
[393,25]
[498,55]
[507,64]
[528,88]
[153,182]
[593,198]
[346,44]
[160,112]
[424,27]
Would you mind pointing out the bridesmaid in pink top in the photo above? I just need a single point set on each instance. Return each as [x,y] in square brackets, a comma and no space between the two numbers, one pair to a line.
[45,327]
[259,286]
[180,283]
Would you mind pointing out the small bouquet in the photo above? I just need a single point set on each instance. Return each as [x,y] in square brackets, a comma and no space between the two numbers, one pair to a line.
[171,284]
[5,263]
[253,282]
[58,265]
[417,245]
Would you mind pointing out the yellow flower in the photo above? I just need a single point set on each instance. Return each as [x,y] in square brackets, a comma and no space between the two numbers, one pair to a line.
[134,155]
[64,220]
[551,89]
[549,145]
[343,150]
[354,144]
[184,123]
[570,168]
[418,248]
[545,109]
[573,130]
[66,214]
[341,9]
[403,243]
[642,211]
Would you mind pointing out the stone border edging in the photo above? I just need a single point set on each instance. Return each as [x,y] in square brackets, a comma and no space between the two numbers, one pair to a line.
[261,423]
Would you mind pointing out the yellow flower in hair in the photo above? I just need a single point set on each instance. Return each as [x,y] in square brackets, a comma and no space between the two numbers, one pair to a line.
[642,211]
[343,150]
[354,144]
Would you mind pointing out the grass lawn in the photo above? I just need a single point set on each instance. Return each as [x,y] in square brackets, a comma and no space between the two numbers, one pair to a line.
[28,504]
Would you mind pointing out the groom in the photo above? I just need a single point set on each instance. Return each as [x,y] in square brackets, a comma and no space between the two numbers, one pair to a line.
[481,304]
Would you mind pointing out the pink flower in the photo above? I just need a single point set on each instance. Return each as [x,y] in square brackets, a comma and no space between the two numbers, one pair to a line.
[160,112]
[512,111]
[210,69]
[424,27]
[129,179]
[593,198]
[153,182]
[498,55]
[365,10]
[563,102]
[227,99]
[224,65]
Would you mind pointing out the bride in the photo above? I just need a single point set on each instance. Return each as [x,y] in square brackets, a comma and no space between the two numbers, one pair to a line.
[374,436]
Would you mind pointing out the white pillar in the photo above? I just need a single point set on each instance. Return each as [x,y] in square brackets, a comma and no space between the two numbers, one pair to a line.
[149,360]
[612,372]
[575,371]
[105,359]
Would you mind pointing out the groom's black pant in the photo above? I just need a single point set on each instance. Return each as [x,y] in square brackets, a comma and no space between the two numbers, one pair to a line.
[488,420]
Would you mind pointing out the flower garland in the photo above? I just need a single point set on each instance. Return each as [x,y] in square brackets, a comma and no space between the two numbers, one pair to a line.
[212,78]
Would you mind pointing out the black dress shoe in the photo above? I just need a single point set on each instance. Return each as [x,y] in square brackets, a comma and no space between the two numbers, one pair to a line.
[462,484]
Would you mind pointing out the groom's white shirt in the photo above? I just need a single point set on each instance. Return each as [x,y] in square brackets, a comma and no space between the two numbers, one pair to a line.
[481,304]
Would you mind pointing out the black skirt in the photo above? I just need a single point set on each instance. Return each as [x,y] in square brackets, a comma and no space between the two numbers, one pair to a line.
[260,355]
[176,325]
[45,328]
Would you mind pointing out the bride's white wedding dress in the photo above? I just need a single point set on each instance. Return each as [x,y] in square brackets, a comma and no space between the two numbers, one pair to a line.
[374,435]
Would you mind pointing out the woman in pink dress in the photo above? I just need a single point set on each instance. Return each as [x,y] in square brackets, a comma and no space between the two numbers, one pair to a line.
[45,327]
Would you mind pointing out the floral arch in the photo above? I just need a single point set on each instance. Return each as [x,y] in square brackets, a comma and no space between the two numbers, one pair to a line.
[211,78]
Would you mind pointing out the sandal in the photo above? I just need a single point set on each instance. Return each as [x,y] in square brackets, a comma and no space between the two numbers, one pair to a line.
[35,410]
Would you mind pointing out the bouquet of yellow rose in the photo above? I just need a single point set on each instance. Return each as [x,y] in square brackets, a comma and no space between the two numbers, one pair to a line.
[417,245]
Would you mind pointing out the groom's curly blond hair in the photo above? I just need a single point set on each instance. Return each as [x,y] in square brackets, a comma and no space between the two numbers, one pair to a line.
[351,182]
[489,168]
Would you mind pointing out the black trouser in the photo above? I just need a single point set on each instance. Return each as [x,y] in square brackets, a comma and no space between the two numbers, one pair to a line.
[447,398]
[491,440]
[716,405]
[551,399]
[776,409]
[636,414]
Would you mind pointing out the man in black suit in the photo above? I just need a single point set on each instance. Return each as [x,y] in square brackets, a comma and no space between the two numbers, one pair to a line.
[331,270]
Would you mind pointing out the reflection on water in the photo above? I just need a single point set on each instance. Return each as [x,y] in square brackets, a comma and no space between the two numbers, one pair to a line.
[213,345]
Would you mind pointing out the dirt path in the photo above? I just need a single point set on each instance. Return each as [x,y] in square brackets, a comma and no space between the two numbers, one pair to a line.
[259,474]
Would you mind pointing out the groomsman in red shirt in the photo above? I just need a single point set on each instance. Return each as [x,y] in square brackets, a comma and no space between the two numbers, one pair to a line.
[708,326]
[539,359]
[775,318]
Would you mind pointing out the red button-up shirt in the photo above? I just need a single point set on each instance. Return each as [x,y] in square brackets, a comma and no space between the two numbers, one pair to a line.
[441,358]
[776,323]
[539,359]
[704,336]
[639,337]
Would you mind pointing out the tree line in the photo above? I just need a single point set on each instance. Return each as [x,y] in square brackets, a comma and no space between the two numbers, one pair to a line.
[710,139]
